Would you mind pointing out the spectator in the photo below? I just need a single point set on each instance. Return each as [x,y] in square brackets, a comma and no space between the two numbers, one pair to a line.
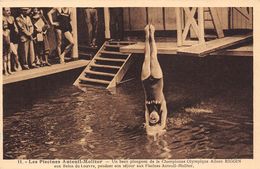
[92,25]
[6,48]
[25,45]
[62,26]
[41,40]
[13,37]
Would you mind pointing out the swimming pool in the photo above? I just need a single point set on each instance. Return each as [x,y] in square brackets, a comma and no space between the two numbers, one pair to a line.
[210,115]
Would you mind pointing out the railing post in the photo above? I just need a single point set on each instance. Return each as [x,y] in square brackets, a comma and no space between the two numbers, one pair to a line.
[179,26]
[107,23]
[201,25]
[75,53]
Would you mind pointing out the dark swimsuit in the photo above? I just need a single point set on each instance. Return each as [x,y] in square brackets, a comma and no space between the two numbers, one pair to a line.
[154,96]
[13,34]
[64,21]
[6,40]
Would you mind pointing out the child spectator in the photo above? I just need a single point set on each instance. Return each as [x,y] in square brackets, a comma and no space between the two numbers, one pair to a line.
[41,40]
[6,49]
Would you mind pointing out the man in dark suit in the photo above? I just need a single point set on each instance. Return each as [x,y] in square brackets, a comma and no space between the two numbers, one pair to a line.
[25,45]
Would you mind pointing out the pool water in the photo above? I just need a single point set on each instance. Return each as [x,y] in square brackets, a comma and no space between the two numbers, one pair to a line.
[210,115]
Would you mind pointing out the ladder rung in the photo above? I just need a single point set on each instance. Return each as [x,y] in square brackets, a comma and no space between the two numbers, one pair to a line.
[113,53]
[84,53]
[110,59]
[114,46]
[121,42]
[210,36]
[105,66]
[87,47]
[86,79]
[100,73]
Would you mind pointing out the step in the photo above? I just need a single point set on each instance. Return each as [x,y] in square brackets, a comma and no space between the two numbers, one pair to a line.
[86,55]
[97,75]
[114,46]
[83,53]
[87,47]
[208,36]
[113,53]
[121,42]
[100,73]
[85,79]
[105,66]
[110,59]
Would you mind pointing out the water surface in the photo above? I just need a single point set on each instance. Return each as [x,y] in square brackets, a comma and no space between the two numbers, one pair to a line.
[210,115]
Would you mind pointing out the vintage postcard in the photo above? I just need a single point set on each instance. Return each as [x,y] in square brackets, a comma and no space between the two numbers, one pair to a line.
[123,84]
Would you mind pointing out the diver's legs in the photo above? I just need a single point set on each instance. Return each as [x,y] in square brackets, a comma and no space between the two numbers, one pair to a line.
[146,64]
[156,70]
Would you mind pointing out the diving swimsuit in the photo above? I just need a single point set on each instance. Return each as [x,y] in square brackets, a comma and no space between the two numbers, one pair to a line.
[154,95]
[6,39]
[64,20]
[13,34]
[153,88]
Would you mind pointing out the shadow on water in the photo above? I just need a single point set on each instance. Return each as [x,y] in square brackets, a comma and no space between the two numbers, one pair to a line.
[24,94]
[210,115]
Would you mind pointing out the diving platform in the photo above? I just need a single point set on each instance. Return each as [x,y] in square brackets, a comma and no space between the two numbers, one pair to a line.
[245,51]
[193,48]
[162,48]
[207,48]
[43,71]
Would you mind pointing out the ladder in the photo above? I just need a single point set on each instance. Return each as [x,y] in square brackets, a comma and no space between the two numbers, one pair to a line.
[214,18]
[108,66]
[195,24]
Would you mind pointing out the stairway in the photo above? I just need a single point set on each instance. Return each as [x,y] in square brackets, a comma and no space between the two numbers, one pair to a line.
[108,66]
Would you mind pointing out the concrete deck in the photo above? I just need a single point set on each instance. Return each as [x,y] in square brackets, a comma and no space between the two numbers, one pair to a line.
[43,71]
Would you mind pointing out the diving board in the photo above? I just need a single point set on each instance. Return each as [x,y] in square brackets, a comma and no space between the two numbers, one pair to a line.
[214,45]
[162,48]
[43,71]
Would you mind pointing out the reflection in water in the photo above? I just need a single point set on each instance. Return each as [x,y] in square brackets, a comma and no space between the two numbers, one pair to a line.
[154,131]
[208,117]
[158,147]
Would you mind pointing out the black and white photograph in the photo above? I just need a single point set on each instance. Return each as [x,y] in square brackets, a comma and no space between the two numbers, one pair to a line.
[127,82]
